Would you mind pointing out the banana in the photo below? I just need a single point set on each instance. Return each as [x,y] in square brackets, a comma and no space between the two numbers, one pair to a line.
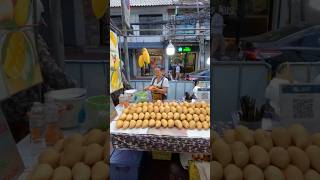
[146,57]
[141,61]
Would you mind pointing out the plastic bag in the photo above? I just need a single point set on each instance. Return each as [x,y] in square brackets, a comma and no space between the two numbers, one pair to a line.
[273,92]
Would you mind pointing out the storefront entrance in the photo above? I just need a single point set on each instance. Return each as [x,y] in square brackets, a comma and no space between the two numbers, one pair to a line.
[186,58]
[156,59]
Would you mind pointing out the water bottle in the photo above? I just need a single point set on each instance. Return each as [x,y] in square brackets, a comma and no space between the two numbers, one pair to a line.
[36,122]
[36,126]
[52,133]
[121,99]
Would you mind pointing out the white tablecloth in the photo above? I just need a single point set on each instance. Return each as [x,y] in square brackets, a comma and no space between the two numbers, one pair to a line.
[29,153]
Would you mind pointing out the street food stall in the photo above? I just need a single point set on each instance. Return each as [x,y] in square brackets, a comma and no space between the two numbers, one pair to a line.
[67,130]
[160,127]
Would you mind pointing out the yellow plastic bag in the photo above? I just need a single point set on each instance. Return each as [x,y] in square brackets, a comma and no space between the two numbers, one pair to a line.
[193,171]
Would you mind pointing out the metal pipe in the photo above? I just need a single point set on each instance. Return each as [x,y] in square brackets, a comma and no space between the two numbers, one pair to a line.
[181,29]
[163,35]
[126,49]
[57,32]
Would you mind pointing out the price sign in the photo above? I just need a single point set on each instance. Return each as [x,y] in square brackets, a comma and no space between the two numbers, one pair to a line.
[203,94]
[300,103]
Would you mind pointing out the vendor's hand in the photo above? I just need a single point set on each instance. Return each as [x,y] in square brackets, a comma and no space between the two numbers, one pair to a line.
[153,88]
[156,89]
[147,88]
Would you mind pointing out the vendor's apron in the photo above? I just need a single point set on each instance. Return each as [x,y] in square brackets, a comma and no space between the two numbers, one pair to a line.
[158,96]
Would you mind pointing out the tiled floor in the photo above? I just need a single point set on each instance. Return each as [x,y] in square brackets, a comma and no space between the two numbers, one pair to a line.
[161,169]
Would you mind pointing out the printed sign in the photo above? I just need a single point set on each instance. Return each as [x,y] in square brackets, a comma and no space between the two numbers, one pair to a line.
[115,64]
[300,103]
[19,61]
[19,67]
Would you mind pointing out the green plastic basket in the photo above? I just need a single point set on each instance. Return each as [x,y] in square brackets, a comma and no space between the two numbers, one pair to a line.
[140,96]
[97,112]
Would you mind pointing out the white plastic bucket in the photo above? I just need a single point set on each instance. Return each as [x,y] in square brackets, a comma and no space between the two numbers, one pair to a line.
[129,93]
[74,99]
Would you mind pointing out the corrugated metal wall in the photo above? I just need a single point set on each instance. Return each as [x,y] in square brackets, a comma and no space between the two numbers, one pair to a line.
[89,74]
[302,71]
[233,80]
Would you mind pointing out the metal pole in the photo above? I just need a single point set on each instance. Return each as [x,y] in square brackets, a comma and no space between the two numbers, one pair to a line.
[182,35]
[179,29]
[57,32]
[125,40]
[200,38]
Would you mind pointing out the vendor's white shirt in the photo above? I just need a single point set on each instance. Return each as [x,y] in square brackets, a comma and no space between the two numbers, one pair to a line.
[217,24]
[165,83]
[195,89]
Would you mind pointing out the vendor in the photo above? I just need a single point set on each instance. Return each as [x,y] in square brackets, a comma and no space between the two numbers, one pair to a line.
[159,85]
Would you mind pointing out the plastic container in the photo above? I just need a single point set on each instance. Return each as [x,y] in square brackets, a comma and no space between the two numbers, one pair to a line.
[123,100]
[36,122]
[97,113]
[37,126]
[52,133]
[125,165]
[159,155]
[74,99]
[130,93]
[140,96]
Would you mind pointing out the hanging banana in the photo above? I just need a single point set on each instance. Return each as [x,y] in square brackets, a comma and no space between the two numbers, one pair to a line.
[146,56]
[141,61]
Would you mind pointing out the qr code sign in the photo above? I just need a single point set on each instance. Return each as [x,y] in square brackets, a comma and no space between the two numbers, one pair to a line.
[303,108]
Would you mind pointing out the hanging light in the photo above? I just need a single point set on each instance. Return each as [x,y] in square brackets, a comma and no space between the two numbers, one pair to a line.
[208,61]
[170,49]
